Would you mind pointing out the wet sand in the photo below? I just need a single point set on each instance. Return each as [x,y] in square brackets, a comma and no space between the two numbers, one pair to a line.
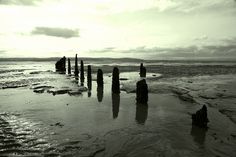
[43,113]
[40,123]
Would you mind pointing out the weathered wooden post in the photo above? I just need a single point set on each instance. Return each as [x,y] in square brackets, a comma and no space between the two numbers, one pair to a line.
[99,85]
[89,77]
[200,117]
[81,71]
[99,77]
[61,65]
[142,71]
[76,66]
[141,92]
[69,66]
[115,80]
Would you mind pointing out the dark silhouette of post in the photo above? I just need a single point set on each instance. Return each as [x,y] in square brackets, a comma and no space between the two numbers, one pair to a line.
[200,117]
[69,66]
[142,71]
[76,66]
[89,77]
[99,77]
[115,104]
[81,71]
[100,93]
[115,80]
[89,80]
[99,85]
[61,65]
[141,92]
[141,114]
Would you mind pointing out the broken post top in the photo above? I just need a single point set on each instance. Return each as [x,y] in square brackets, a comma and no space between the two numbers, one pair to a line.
[61,65]
[200,117]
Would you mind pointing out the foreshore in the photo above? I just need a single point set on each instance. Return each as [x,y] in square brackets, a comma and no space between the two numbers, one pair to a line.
[80,125]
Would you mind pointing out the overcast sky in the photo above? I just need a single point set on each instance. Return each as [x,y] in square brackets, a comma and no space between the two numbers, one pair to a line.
[148,29]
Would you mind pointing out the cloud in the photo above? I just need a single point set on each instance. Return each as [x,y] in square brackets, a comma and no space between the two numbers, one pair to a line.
[225,50]
[56,32]
[104,50]
[19,2]
[201,38]
[202,5]
[194,51]
[2,51]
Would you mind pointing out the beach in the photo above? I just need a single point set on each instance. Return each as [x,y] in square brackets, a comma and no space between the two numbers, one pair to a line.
[44,113]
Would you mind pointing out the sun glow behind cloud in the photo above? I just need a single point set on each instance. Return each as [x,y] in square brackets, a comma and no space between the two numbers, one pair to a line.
[112,23]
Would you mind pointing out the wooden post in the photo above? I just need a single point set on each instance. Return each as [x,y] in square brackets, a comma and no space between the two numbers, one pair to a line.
[81,71]
[99,77]
[61,65]
[69,66]
[115,80]
[142,92]
[142,71]
[89,77]
[76,66]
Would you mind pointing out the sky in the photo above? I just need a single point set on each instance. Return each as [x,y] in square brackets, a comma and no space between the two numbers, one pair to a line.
[146,29]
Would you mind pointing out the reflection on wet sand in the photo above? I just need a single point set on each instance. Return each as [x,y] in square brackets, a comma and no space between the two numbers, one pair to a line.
[100,93]
[141,113]
[89,81]
[199,134]
[81,83]
[76,80]
[100,85]
[115,104]
[89,93]
[89,84]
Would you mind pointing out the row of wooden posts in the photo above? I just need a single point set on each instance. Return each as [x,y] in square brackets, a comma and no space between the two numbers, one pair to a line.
[141,86]
[199,118]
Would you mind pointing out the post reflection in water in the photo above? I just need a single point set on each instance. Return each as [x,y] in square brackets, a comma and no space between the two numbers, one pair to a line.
[199,135]
[81,83]
[89,84]
[89,93]
[100,93]
[141,113]
[115,104]
[76,80]
[89,81]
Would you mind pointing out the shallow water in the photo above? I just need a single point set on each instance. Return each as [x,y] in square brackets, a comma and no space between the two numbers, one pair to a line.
[97,123]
